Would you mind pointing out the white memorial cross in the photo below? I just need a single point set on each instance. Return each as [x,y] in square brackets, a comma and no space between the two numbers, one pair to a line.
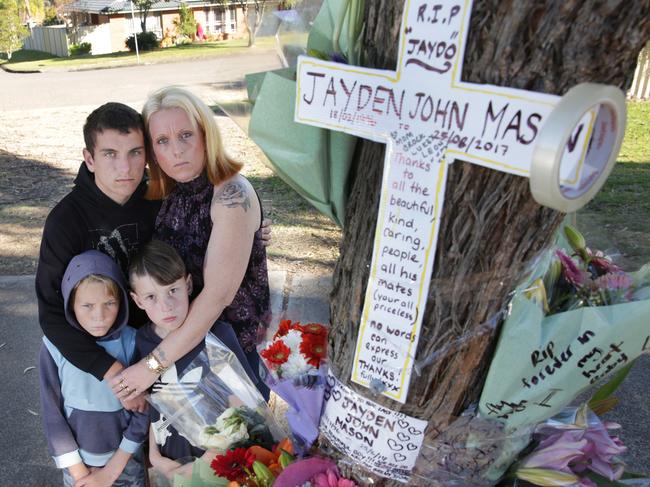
[427,117]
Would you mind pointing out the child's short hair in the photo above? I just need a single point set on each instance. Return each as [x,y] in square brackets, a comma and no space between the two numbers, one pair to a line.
[112,288]
[111,116]
[158,260]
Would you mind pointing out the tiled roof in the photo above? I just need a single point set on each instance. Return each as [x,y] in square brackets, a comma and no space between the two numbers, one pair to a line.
[114,6]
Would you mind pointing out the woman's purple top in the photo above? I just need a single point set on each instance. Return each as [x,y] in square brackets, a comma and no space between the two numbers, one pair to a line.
[184,222]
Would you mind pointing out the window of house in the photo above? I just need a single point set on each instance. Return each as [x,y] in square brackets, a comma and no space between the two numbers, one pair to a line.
[233,19]
[216,18]
[153,22]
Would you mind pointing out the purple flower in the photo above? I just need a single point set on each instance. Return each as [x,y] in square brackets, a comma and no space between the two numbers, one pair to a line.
[614,281]
[570,270]
[556,452]
[576,448]
[338,58]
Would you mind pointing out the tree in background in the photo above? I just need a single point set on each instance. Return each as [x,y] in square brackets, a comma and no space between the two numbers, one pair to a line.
[491,226]
[12,30]
[143,8]
[185,23]
[31,10]
[53,13]
[252,17]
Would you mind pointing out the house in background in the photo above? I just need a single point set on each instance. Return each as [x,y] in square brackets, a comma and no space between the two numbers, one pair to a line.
[107,23]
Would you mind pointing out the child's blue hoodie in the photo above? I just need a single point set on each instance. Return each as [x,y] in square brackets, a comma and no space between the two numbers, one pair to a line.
[83,420]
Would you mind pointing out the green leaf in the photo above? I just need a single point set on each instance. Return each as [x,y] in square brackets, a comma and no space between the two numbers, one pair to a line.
[633,475]
[608,389]
[603,406]
[318,54]
[602,481]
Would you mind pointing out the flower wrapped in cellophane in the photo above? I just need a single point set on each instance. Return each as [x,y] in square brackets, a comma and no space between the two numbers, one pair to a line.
[295,359]
[572,447]
[577,319]
[215,405]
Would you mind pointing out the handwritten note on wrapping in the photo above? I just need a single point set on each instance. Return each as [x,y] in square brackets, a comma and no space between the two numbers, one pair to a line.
[427,117]
[383,441]
[542,363]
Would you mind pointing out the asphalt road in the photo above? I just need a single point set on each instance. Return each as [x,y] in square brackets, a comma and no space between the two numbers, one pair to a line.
[24,91]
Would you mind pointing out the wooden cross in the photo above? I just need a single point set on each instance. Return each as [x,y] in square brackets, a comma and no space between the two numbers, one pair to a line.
[428,117]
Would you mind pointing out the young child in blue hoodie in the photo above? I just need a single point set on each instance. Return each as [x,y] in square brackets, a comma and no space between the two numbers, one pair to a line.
[90,435]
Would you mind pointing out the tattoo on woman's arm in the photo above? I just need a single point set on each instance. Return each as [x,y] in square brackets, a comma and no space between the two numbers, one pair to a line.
[234,194]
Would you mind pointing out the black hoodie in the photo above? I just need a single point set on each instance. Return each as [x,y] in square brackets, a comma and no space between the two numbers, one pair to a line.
[87,219]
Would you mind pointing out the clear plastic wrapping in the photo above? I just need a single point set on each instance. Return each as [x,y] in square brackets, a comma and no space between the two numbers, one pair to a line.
[215,405]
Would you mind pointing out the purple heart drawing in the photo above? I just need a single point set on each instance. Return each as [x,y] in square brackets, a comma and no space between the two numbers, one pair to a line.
[399,457]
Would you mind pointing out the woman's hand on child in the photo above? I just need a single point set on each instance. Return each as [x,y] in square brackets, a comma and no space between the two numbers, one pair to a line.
[266,232]
[132,381]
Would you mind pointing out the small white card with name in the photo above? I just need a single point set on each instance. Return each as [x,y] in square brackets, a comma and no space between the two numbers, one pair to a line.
[383,441]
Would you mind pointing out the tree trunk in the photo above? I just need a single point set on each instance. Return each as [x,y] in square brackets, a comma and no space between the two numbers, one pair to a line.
[247,26]
[491,227]
[260,6]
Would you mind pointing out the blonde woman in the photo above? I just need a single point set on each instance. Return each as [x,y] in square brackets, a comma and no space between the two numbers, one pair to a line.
[212,216]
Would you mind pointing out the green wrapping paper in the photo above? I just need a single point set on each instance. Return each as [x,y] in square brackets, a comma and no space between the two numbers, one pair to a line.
[542,363]
[202,476]
[313,161]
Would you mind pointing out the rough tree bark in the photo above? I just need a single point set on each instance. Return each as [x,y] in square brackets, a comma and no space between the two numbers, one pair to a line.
[491,227]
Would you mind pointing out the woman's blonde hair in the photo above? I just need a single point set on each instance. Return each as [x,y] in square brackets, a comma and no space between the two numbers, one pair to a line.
[219,166]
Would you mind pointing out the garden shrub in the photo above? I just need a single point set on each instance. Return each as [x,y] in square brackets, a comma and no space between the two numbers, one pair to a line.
[81,48]
[147,41]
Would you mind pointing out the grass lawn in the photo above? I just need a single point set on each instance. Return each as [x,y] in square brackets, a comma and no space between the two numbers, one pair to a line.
[618,219]
[25,60]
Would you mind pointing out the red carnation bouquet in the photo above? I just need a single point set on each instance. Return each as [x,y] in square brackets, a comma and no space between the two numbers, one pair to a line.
[296,350]
[296,359]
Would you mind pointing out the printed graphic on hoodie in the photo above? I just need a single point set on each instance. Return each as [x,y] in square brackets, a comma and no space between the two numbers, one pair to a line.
[119,244]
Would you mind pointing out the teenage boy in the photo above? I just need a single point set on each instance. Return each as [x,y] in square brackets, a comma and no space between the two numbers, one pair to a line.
[105,211]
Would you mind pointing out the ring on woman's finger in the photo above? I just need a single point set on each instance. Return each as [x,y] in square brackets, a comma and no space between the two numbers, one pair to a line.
[124,386]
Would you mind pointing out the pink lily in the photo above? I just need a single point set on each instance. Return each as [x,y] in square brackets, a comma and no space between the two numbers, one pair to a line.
[556,452]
